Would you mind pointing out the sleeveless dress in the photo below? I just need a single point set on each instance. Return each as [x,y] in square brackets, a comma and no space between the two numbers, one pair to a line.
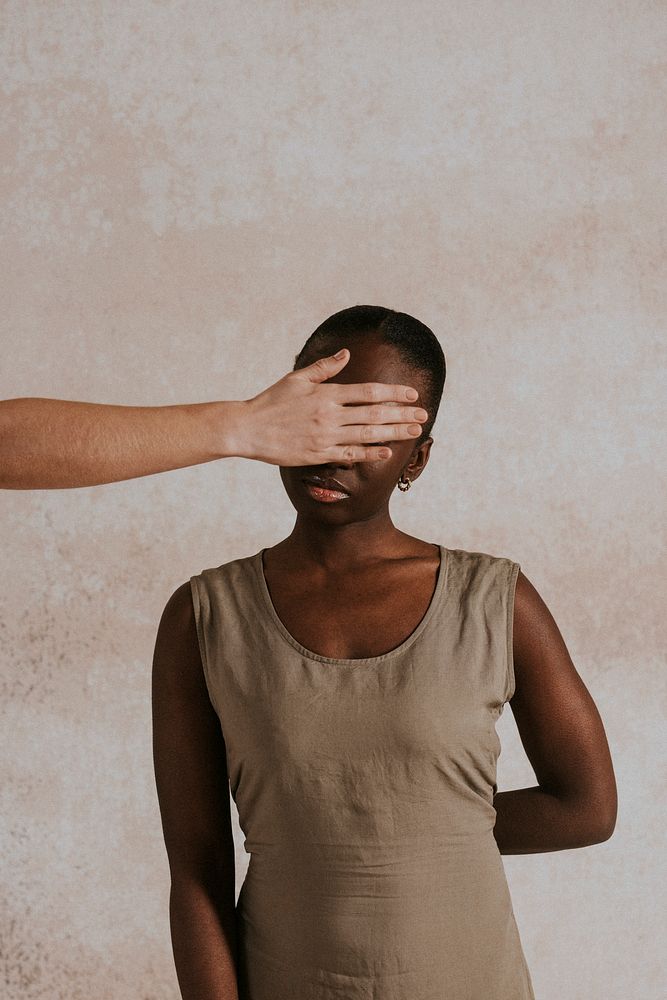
[364,790]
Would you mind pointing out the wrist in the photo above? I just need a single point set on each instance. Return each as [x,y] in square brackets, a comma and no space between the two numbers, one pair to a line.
[228,429]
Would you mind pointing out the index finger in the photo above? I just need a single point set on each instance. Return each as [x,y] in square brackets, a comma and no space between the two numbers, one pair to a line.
[374,392]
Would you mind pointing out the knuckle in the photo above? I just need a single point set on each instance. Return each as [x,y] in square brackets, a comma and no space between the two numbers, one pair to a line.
[321,418]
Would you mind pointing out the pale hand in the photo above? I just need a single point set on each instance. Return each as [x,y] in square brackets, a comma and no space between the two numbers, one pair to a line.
[299,421]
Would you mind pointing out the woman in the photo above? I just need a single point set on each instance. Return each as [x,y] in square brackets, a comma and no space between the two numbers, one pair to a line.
[347,682]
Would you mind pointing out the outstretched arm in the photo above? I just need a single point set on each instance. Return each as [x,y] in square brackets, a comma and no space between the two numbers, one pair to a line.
[575,802]
[61,444]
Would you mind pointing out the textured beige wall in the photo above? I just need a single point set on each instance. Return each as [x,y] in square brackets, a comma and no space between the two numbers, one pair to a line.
[188,189]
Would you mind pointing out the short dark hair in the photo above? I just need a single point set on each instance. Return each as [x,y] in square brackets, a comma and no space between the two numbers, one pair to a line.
[417,344]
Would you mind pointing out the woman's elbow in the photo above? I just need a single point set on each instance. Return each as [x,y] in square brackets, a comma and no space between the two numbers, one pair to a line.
[607,827]
[599,825]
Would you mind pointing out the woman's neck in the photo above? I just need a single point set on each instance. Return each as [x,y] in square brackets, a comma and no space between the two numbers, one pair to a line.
[342,547]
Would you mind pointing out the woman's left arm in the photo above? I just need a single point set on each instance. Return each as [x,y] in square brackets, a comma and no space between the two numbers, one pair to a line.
[575,802]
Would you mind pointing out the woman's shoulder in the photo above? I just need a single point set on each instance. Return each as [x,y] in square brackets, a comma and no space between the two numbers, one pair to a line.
[480,560]
[479,575]
[228,568]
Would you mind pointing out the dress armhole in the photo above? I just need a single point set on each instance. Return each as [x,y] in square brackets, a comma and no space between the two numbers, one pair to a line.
[511,591]
[196,605]
[200,612]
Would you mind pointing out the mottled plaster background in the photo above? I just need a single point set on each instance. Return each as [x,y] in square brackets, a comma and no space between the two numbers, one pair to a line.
[188,189]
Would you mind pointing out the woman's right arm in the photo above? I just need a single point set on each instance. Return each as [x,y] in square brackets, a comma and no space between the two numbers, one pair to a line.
[193,793]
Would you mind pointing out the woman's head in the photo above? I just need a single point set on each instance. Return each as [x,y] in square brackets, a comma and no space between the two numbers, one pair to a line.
[416,344]
[385,346]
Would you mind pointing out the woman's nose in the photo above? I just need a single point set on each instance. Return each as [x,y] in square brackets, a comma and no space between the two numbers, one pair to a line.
[330,467]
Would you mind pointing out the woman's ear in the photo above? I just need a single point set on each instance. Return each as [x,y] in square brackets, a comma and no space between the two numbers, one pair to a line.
[419,460]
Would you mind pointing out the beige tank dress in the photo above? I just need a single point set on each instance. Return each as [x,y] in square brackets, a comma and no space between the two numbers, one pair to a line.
[364,789]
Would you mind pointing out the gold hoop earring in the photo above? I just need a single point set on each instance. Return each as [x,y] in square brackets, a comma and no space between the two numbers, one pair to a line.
[404,484]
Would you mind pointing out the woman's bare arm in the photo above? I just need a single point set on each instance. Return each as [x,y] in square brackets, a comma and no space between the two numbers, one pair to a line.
[193,793]
[62,444]
[575,802]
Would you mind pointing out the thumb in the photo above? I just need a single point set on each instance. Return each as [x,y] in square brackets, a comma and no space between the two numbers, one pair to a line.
[325,368]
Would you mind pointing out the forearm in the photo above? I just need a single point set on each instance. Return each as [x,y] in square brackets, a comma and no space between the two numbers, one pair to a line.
[61,444]
[203,935]
[530,820]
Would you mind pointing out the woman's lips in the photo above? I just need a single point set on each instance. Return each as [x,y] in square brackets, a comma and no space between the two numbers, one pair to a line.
[323,495]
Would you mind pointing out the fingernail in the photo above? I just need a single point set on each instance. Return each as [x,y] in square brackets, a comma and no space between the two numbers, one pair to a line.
[341,354]
[415,429]
[411,394]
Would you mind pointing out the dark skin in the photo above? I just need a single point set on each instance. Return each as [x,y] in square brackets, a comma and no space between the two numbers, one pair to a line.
[347,583]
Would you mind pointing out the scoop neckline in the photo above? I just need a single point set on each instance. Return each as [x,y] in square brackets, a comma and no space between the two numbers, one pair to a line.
[443,573]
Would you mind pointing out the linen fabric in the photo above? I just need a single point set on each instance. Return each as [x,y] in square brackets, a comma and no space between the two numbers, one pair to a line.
[364,790]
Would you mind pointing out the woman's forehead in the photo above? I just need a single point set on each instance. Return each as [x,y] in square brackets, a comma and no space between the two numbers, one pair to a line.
[373,361]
